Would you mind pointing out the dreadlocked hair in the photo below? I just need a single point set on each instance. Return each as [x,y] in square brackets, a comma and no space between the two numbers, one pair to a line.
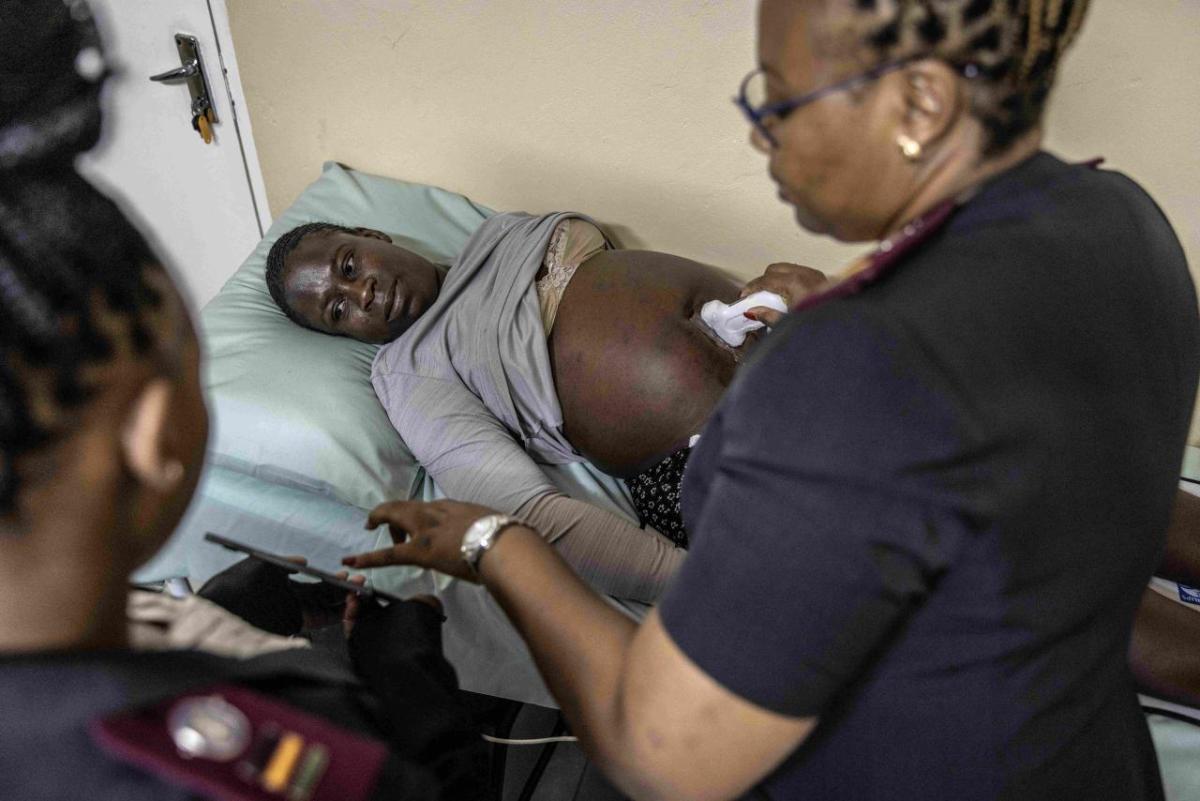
[278,254]
[1010,48]
[73,271]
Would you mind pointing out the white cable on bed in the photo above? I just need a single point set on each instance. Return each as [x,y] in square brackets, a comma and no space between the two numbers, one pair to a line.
[535,741]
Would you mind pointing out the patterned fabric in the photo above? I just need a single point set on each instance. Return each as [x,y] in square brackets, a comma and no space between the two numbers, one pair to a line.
[655,494]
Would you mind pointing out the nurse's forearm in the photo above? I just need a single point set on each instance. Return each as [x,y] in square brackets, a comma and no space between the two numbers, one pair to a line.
[579,642]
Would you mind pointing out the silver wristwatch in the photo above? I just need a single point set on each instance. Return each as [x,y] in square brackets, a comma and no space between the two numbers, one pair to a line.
[481,536]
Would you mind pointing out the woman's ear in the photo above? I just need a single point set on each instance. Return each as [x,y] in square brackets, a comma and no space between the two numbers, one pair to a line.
[933,101]
[143,438]
[371,233]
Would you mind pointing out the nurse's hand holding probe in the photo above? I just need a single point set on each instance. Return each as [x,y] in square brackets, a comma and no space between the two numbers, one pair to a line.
[790,281]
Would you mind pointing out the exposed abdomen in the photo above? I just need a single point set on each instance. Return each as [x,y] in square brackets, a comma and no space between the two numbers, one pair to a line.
[636,375]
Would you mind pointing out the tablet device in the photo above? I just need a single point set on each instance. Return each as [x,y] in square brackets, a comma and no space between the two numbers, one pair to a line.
[287,564]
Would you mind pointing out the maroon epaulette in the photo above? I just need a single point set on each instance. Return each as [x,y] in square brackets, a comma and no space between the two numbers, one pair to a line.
[892,250]
[228,742]
[886,256]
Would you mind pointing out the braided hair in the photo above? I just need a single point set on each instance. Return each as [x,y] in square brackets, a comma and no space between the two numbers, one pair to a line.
[76,279]
[1010,48]
[277,256]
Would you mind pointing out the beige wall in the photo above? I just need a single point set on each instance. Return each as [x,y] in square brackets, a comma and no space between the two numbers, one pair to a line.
[621,110]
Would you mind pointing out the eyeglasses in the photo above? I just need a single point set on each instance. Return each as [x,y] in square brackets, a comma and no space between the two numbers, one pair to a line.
[752,96]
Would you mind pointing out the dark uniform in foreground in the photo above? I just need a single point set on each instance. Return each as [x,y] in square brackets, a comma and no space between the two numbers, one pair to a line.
[948,576]
[111,724]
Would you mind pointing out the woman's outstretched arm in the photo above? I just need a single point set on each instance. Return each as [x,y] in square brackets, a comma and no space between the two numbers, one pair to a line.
[469,454]
[605,550]
[1181,559]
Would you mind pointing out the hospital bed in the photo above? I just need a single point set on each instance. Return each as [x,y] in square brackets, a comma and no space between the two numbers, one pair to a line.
[301,449]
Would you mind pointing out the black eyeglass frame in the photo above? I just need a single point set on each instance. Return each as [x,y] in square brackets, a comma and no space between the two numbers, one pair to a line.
[783,108]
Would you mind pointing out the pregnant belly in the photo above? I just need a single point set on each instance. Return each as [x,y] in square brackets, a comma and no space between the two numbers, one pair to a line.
[636,374]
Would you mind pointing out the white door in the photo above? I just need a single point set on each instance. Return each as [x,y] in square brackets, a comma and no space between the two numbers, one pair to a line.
[202,205]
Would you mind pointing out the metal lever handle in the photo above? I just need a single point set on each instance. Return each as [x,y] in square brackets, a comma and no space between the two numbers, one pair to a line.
[188,70]
[203,116]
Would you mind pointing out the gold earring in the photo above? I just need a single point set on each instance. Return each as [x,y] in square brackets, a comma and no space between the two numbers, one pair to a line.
[909,147]
[169,478]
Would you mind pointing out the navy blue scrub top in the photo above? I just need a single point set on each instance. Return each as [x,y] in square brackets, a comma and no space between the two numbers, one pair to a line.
[926,512]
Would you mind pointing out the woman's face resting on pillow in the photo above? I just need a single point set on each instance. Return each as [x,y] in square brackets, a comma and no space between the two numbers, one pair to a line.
[350,282]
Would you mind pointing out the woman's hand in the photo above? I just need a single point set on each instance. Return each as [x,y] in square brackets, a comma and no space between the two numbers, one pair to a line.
[790,281]
[425,534]
[354,602]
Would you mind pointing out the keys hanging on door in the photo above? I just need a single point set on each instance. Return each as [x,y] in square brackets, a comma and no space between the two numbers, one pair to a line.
[202,124]
[192,71]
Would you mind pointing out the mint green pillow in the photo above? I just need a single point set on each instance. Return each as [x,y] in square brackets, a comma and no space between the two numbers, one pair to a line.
[1191,463]
[295,407]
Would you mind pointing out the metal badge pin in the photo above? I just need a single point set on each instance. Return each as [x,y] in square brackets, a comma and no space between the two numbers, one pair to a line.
[209,727]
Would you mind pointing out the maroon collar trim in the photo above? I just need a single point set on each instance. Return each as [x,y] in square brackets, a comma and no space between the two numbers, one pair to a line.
[894,248]
[886,256]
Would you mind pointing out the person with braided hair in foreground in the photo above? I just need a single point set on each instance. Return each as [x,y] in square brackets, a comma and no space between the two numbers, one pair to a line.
[923,514]
[102,433]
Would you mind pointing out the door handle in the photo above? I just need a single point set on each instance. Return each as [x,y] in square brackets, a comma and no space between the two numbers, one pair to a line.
[188,70]
[203,114]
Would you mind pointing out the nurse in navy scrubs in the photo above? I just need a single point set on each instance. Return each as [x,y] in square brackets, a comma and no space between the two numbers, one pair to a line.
[923,515]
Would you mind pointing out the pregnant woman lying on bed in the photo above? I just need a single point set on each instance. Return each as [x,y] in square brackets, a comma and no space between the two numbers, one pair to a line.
[540,342]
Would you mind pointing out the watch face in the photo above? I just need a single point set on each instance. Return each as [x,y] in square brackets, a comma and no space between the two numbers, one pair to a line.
[479,537]
[478,530]
[472,539]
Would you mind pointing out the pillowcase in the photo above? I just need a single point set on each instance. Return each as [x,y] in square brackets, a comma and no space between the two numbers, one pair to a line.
[295,407]
[1191,463]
